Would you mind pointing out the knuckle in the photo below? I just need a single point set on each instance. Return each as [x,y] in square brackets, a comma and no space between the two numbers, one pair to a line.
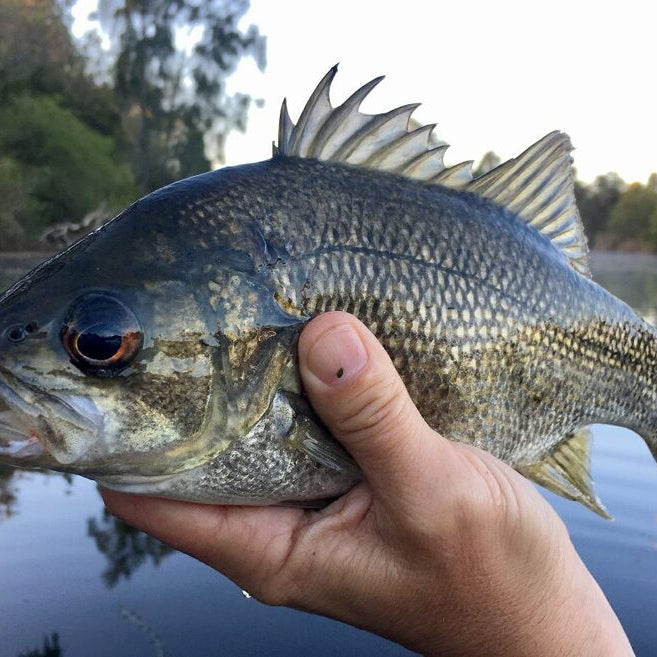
[285,584]
[485,501]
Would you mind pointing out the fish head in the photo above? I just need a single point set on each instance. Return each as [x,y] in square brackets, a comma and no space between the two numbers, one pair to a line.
[105,358]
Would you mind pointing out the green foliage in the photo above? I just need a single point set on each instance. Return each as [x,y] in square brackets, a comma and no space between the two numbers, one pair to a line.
[16,203]
[76,132]
[54,167]
[596,201]
[632,218]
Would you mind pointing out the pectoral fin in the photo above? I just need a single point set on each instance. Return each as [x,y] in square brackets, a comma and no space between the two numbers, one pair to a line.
[566,471]
[309,436]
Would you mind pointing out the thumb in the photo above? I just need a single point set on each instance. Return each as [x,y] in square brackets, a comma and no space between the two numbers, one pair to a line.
[353,385]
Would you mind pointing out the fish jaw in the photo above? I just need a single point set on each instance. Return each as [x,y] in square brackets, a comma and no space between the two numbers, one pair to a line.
[17,442]
[43,430]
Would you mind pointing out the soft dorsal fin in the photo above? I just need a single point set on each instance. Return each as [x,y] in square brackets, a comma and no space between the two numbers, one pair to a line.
[566,471]
[538,187]
[378,141]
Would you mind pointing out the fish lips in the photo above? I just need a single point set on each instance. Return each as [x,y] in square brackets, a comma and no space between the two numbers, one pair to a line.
[41,429]
[18,442]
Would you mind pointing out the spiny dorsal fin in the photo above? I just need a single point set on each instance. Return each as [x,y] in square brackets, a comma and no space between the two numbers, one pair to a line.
[538,187]
[566,471]
[379,141]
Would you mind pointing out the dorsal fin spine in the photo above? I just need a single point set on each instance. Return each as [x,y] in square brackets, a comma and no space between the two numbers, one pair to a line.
[341,114]
[344,134]
[428,164]
[536,186]
[350,150]
[405,147]
[285,127]
[320,96]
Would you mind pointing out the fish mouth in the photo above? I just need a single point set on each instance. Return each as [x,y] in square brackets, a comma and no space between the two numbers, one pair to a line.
[30,417]
[17,440]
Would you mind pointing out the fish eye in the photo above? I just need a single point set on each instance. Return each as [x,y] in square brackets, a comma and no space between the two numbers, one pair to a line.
[101,334]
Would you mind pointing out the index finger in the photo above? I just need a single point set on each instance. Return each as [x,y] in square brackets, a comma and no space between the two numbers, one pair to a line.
[243,542]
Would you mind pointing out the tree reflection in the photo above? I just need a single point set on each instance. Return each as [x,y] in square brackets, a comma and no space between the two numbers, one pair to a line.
[125,548]
[9,477]
[7,492]
[51,648]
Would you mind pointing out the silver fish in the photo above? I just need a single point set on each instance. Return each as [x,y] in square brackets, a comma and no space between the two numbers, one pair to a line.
[158,354]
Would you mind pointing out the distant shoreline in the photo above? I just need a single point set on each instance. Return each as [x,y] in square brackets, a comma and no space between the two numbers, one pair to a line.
[620,261]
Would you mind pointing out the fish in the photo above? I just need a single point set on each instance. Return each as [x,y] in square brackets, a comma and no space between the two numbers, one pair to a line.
[157,355]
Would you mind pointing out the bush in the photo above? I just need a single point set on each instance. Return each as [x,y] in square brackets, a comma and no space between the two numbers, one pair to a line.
[54,168]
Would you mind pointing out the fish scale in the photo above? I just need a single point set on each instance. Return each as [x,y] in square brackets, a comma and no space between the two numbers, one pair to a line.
[523,302]
[478,288]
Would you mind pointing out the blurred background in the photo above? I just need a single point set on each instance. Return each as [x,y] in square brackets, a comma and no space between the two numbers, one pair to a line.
[102,101]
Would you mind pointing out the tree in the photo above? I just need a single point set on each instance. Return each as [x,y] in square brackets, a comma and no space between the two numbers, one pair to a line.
[652,182]
[631,218]
[54,168]
[596,201]
[39,56]
[172,59]
[36,50]
[487,163]
[58,128]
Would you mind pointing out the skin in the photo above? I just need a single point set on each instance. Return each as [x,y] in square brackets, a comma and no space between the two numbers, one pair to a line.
[443,548]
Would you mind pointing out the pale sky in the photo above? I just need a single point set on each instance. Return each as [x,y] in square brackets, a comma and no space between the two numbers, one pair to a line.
[495,75]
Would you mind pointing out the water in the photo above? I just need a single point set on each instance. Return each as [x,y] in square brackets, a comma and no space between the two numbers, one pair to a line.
[109,591]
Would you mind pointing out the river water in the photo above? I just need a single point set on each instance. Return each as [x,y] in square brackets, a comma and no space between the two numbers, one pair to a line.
[105,590]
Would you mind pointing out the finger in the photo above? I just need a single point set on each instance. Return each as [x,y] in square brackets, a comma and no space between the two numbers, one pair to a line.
[248,544]
[355,388]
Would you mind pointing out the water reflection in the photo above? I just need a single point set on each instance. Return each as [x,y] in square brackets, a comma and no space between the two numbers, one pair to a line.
[124,547]
[51,648]
[136,620]
[9,477]
[7,492]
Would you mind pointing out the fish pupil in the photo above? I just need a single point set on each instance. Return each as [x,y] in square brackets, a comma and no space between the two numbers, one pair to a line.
[95,345]
[101,334]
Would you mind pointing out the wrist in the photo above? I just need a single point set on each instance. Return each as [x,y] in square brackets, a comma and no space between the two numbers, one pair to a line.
[547,607]
[590,628]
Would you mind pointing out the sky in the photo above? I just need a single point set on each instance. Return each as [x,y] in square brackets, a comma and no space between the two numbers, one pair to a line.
[493,75]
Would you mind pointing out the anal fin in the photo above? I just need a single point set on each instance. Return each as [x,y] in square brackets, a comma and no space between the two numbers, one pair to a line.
[566,471]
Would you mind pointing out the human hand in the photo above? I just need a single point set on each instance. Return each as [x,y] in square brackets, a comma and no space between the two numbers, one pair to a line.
[442,548]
